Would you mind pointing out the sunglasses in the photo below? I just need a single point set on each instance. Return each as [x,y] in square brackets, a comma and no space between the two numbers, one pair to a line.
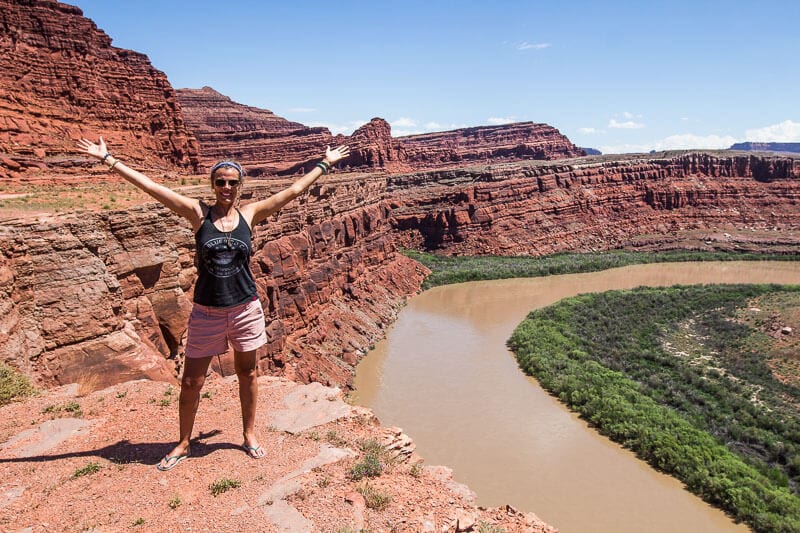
[230,183]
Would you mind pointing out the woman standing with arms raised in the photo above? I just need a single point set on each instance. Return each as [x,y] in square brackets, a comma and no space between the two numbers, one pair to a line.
[226,306]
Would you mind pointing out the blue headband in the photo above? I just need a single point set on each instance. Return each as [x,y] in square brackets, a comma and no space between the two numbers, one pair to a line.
[230,164]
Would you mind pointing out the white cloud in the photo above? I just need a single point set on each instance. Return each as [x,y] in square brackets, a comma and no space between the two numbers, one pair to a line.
[525,45]
[786,131]
[404,122]
[673,142]
[345,129]
[589,130]
[501,120]
[628,115]
[627,125]
[433,126]
[302,109]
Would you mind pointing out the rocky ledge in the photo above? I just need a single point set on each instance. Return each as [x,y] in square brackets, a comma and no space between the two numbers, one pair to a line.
[75,462]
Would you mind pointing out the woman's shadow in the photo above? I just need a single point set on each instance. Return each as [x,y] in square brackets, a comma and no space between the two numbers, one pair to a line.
[126,452]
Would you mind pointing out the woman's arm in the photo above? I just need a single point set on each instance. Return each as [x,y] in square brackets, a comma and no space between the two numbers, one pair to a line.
[256,212]
[184,206]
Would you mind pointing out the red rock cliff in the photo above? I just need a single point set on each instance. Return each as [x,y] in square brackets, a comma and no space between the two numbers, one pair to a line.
[109,294]
[270,145]
[61,79]
[509,142]
[590,204]
[263,142]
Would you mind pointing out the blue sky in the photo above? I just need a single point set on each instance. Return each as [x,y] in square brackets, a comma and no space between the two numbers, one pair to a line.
[621,76]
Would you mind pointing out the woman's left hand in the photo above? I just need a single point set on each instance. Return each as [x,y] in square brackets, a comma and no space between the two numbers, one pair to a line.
[337,154]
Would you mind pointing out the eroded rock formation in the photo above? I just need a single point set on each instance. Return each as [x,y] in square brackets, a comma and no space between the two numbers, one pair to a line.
[263,142]
[109,293]
[484,144]
[60,79]
[270,145]
[590,204]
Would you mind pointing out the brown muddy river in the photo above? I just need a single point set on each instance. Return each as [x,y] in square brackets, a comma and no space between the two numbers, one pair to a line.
[445,376]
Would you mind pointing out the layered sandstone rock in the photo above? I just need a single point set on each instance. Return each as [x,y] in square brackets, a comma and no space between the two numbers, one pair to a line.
[485,144]
[61,79]
[590,204]
[270,145]
[108,294]
[262,141]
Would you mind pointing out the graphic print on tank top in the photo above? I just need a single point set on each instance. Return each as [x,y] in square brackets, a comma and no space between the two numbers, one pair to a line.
[223,257]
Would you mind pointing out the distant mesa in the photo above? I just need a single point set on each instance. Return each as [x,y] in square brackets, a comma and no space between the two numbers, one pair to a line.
[270,145]
[766,147]
[591,151]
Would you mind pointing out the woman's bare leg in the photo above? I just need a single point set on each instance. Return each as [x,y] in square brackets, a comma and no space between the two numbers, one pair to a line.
[246,365]
[194,376]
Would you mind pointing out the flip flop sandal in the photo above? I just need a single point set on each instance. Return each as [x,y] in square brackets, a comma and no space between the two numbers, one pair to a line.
[166,460]
[253,451]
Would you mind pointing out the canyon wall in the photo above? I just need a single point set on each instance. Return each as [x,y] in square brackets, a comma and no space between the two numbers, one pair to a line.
[106,296]
[61,79]
[270,145]
[540,208]
[509,142]
[263,142]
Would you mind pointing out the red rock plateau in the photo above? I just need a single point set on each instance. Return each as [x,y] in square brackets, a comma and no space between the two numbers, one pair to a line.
[270,145]
[60,79]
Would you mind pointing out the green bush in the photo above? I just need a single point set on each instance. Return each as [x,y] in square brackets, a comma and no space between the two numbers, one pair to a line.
[13,385]
[369,466]
[224,485]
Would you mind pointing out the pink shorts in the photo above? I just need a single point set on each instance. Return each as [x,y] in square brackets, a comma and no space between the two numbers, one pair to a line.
[210,328]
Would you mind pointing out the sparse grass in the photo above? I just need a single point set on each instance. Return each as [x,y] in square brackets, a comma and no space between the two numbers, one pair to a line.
[13,385]
[370,465]
[165,402]
[415,470]
[73,408]
[90,468]
[175,502]
[224,485]
[138,522]
[87,383]
[484,527]
[334,439]
[206,395]
[374,498]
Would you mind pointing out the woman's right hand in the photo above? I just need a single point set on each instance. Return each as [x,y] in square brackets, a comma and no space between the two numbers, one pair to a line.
[97,150]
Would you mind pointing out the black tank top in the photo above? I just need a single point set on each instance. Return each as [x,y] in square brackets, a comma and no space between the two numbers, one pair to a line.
[223,265]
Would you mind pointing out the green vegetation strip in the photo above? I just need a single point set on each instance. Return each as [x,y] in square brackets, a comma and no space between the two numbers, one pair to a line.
[673,375]
[446,269]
